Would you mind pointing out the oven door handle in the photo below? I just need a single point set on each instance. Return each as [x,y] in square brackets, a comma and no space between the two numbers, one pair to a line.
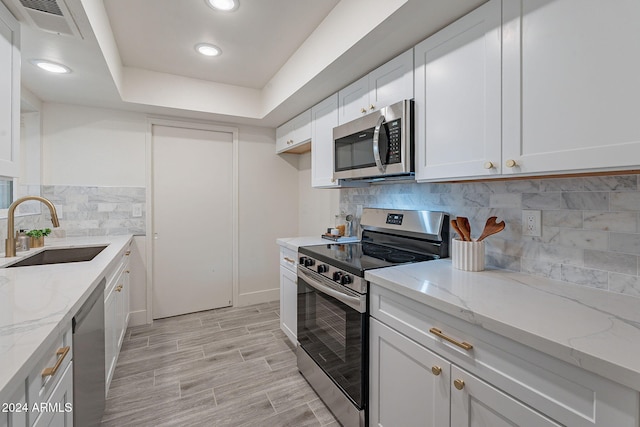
[357,303]
[376,145]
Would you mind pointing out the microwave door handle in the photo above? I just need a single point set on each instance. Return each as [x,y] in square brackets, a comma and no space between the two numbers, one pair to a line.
[376,145]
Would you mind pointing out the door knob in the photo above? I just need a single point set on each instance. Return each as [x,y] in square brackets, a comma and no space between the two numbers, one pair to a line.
[511,163]
[436,370]
[459,384]
[363,110]
[489,165]
[372,107]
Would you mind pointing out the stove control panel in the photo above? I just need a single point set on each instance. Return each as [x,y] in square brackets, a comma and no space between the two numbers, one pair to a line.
[337,275]
[395,218]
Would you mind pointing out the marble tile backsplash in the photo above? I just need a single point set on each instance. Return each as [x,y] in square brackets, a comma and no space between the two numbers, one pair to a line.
[86,211]
[590,225]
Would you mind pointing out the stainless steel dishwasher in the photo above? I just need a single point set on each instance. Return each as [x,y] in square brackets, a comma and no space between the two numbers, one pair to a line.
[88,360]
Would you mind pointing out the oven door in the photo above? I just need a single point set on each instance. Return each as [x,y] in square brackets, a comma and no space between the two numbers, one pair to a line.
[332,330]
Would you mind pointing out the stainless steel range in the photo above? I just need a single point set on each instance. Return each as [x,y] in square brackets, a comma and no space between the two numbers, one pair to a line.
[333,314]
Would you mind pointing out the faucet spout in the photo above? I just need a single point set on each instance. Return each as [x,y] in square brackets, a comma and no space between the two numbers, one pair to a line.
[10,242]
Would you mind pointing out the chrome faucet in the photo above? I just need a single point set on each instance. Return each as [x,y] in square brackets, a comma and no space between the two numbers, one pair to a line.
[10,242]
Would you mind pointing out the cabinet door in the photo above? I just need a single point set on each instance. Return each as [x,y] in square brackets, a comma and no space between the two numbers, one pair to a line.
[409,385]
[16,414]
[353,100]
[110,336]
[122,291]
[391,82]
[284,137]
[58,409]
[289,303]
[9,94]
[324,117]
[458,98]
[301,125]
[571,85]
[478,404]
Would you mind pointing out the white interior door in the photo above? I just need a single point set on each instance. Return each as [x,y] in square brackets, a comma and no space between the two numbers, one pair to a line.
[192,220]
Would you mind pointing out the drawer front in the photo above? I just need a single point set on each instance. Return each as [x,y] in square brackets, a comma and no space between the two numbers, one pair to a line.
[563,392]
[48,371]
[288,258]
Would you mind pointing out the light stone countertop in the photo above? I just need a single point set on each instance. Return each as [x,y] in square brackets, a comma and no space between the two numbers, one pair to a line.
[596,330]
[294,243]
[37,303]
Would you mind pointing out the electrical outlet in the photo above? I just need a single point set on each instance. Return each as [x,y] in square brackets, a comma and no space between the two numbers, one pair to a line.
[137,210]
[531,223]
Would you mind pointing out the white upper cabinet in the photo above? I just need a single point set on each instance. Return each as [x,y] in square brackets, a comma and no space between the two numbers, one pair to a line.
[293,134]
[9,94]
[571,85]
[324,117]
[387,84]
[458,98]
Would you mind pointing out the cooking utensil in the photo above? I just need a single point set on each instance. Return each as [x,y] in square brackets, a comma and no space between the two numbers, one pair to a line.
[454,224]
[465,228]
[491,227]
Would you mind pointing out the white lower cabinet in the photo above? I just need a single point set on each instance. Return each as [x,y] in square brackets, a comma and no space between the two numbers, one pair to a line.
[288,294]
[428,368]
[398,363]
[57,411]
[116,314]
[14,411]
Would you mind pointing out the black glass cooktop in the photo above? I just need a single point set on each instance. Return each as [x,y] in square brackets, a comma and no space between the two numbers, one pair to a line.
[356,258]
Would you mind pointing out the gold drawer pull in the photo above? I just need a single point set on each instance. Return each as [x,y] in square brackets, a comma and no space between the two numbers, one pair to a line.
[127,253]
[436,370]
[438,332]
[119,288]
[127,271]
[288,259]
[61,353]
[459,384]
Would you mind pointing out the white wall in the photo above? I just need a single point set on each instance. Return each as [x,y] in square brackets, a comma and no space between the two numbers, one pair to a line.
[268,210]
[84,146]
[93,146]
[317,207]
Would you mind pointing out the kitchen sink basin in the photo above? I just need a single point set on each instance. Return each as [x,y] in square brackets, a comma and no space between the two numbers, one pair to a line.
[60,256]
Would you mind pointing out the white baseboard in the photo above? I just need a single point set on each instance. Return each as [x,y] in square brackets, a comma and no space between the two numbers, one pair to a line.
[137,318]
[258,297]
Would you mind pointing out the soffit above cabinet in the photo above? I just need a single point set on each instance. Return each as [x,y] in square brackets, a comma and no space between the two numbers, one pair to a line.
[279,57]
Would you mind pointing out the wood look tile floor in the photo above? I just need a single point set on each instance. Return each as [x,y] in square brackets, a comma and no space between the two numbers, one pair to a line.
[224,367]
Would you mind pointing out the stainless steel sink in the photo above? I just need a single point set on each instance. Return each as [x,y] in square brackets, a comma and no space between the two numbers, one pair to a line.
[60,256]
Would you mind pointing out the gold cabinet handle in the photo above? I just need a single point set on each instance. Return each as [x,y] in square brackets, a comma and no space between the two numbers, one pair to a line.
[511,163]
[127,253]
[127,271]
[372,107]
[489,165]
[119,288]
[288,259]
[61,353]
[436,370]
[461,344]
[459,384]
[363,110]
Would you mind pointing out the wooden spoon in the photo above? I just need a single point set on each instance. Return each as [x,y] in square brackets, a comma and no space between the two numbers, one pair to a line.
[454,224]
[491,227]
[465,228]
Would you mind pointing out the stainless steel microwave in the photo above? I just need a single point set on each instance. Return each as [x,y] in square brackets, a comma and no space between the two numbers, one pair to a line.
[376,146]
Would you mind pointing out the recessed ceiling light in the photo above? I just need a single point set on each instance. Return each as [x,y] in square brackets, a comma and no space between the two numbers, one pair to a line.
[51,67]
[208,49]
[224,5]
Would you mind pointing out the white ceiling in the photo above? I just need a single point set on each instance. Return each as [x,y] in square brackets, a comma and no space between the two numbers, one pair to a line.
[279,56]
[256,40]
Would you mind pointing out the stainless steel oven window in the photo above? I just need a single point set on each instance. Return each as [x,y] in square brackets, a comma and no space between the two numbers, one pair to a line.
[333,334]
